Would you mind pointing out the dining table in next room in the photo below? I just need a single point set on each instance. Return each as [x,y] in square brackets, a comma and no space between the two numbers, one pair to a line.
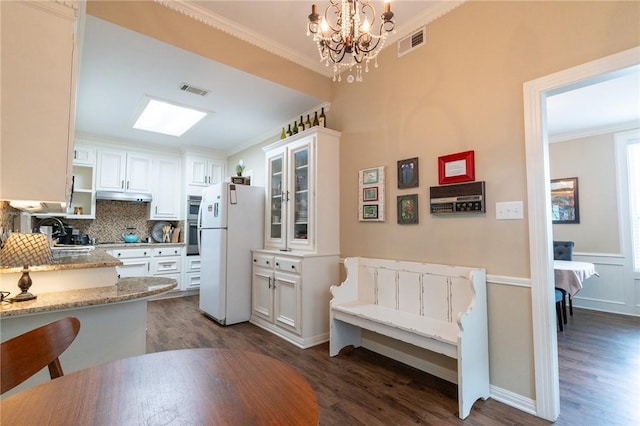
[569,275]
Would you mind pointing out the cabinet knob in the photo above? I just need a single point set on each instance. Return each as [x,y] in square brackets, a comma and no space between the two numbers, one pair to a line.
[277,263]
[267,262]
[145,253]
[255,260]
[293,266]
[160,252]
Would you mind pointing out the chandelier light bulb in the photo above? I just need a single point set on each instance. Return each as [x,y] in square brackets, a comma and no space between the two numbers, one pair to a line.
[324,26]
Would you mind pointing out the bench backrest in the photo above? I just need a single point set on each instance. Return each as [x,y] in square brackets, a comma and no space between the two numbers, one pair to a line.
[440,292]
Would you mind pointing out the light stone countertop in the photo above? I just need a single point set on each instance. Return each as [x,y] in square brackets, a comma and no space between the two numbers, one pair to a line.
[97,258]
[125,289]
[137,245]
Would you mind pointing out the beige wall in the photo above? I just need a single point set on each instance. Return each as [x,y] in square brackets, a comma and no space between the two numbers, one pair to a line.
[592,161]
[461,91]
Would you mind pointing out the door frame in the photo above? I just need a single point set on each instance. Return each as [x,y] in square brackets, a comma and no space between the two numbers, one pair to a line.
[545,345]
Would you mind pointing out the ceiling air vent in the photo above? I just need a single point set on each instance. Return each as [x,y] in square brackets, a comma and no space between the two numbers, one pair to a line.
[189,88]
[412,41]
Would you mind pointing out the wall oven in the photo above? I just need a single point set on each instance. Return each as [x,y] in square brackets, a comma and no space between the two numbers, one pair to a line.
[191,234]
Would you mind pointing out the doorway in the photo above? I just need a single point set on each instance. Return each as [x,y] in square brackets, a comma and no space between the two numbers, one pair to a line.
[539,209]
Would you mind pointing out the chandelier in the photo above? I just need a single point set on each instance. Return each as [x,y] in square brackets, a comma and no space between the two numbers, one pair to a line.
[346,35]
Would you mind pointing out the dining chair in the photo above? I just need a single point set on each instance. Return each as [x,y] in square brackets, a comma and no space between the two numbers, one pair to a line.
[26,354]
[560,313]
[563,250]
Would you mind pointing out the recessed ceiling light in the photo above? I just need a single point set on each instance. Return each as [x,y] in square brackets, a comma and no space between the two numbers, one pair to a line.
[168,119]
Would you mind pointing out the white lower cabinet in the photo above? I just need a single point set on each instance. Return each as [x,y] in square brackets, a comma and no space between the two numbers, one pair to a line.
[290,295]
[191,279]
[163,261]
[136,262]
[167,262]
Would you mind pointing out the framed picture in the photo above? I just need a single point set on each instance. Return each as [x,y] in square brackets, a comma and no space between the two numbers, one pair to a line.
[370,194]
[455,168]
[407,209]
[408,173]
[370,176]
[370,211]
[564,201]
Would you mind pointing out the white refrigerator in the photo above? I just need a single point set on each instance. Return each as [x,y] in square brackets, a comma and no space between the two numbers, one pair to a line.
[230,225]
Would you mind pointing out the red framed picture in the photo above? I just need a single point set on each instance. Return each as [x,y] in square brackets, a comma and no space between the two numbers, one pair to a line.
[455,168]
[370,194]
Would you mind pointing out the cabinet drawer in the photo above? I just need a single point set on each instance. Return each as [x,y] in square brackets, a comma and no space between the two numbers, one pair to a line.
[288,265]
[131,253]
[192,281]
[166,251]
[193,264]
[166,265]
[263,260]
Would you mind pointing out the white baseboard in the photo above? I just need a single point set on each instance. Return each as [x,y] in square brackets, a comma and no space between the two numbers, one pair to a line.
[502,395]
[514,400]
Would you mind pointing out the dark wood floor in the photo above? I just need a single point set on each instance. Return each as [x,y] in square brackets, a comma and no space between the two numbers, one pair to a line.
[597,373]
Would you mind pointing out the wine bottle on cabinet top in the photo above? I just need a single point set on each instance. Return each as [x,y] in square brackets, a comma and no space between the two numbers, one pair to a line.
[283,134]
[289,133]
[301,126]
[315,119]
[307,124]
[322,119]
[295,127]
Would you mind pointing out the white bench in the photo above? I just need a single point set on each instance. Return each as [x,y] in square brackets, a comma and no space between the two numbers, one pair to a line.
[436,307]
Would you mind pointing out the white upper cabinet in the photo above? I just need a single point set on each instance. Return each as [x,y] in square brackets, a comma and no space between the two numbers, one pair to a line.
[202,171]
[166,188]
[84,155]
[303,192]
[123,172]
[37,51]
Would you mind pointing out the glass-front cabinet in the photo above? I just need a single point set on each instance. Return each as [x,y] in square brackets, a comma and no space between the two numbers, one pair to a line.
[274,225]
[303,184]
[288,221]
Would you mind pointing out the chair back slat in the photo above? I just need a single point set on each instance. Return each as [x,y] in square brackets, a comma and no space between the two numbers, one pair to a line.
[24,355]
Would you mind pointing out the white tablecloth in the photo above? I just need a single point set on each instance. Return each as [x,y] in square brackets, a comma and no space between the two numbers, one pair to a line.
[570,275]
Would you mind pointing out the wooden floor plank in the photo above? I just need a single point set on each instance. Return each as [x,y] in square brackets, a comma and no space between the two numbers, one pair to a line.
[599,360]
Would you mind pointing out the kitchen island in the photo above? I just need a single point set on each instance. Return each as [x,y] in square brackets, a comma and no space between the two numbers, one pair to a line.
[112,314]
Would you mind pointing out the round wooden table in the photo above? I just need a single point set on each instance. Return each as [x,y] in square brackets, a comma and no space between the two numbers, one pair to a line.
[184,387]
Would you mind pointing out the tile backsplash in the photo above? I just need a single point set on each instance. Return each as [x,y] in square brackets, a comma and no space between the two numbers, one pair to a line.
[114,217]
[112,220]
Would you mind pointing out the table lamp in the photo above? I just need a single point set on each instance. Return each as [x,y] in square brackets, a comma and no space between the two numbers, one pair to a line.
[25,250]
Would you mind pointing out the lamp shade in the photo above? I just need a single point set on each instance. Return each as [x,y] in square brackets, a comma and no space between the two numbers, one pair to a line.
[22,249]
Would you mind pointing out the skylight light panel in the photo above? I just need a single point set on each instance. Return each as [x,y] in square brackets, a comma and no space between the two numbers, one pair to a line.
[168,119]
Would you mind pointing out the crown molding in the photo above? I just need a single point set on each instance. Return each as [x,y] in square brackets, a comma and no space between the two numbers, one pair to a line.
[207,17]
[585,133]
[236,30]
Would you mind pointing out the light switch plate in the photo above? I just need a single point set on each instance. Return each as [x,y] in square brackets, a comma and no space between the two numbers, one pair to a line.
[508,210]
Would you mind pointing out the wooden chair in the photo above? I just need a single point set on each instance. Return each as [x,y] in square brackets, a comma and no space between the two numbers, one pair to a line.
[26,354]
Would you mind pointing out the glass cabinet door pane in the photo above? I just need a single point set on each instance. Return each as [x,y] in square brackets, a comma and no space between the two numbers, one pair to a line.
[301,182]
[275,221]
